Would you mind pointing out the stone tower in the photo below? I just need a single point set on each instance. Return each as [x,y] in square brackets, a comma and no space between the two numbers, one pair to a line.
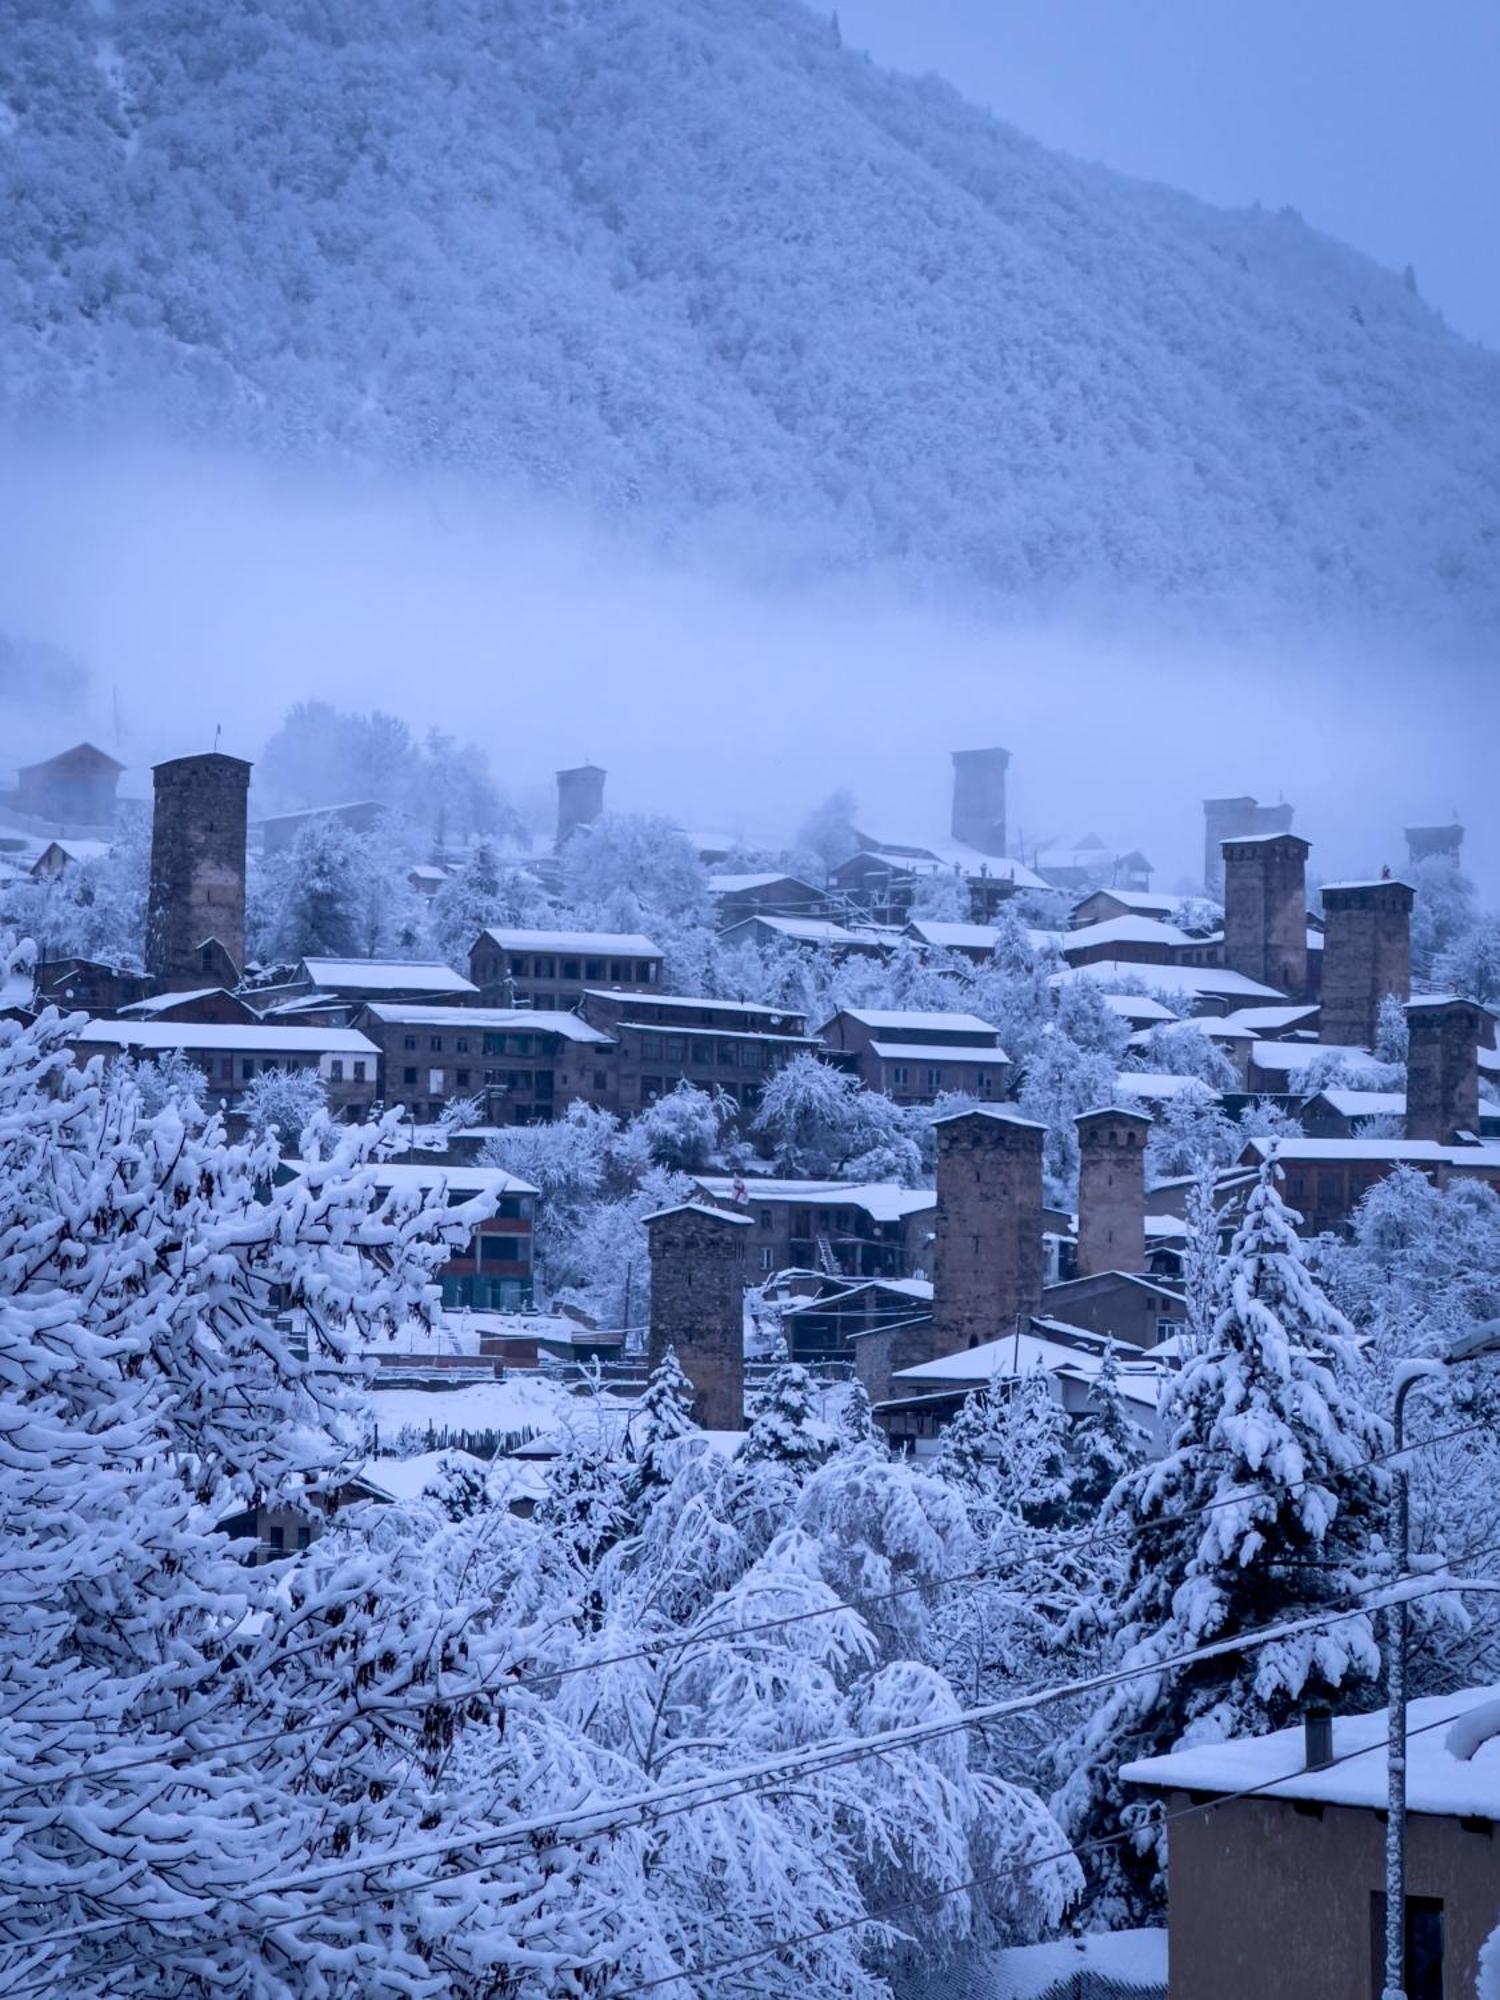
[698,1305]
[1112,1191]
[1366,955]
[979,799]
[580,799]
[1424,843]
[1235,819]
[195,912]
[987,1254]
[1442,1067]
[1265,910]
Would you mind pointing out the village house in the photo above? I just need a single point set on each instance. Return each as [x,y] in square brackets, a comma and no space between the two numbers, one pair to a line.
[87,984]
[524,1065]
[917,1057]
[976,942]
[334,989]
[807,933]
[1283,1892]
[818,1328]
[1101,904]
[76,788]
[661,1040]
[1093,865]
[280,831]
[736,897]
[1196,989]
[205,1006]
[1130,940]
[554,969]
[1326,1179]
[493,1271]
[842,1228]
[231,1055]
[59,857]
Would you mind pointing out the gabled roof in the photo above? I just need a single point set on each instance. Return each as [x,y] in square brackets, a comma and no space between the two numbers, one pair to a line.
[897,1019]
[379,975]
[86,753]
[586,944]
[538,1020]
[232,1037]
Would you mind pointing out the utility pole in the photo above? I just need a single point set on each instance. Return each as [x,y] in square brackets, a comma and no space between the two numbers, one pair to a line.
[1484,1340]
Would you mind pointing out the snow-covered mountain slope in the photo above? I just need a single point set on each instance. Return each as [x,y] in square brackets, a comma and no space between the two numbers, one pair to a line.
[691,263]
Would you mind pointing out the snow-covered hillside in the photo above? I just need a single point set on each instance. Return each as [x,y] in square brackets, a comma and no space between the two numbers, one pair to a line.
[693,264]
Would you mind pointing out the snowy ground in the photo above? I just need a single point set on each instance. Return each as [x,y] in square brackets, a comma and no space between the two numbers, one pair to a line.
[1123,1962]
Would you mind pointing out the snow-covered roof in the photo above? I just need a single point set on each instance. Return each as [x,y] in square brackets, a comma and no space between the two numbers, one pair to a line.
[900,1020]
[801,930]
[1132,929]
[686,1000]
[883,1201]
[1420,1152]
[1302,1055]
[588,944]
[938,1052]
[540,1020]
[719,1033]
[257,1040]
[735,885]
[972,937]
[1158,1085]
[1256,839]
[1187,979]
[957,856]
[158,1003]
[1366,1103]
[918,1289]
[77,850]
[1266,1020]
[1145,902]
[1005,1117]
[375,975]
[1452,1760]
[1078,1352]
[1374,882]
[702,1208]
[1137,1007]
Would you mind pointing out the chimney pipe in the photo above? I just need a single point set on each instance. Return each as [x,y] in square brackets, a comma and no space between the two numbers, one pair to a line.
[1317,1739]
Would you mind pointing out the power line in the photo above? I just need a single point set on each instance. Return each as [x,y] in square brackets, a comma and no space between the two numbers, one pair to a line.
[1014,1868]
[768,1774]
[1038,1547]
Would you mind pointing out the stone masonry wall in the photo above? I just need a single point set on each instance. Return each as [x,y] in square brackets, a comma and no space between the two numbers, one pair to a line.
[197,867]
[987,1255]
[698,1305]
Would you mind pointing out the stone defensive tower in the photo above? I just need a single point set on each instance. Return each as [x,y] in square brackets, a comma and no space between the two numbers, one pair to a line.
[1265,910]
[698,1305]
[580,799]
[1112,1191]
[1442,1067]
[987,1254]
[1423,843]
[1366,955]
[1235,819]
[195,912]
[979,799]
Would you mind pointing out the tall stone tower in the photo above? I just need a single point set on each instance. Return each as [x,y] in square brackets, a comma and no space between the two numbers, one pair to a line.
[987,1254]
[197,895]
[979,799]
[1424,843]
[580,799]
[1265,910]
[698,1305]
[1366,955]
[1442,1067]
[1235,819]
[1112,1191]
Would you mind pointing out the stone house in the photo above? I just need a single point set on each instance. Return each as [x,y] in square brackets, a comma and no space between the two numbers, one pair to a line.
[493,1271]
[1123,1305]
[818,1329]
[1284,1892]
[661,1040]
[1101,904]
[735,897]
[806,933]
[1129,940]
[524,1064]
[232,1056]
[1326,1179]
[208,1006]
[88,984]
[916,1057]
[841,1228]
[554,969]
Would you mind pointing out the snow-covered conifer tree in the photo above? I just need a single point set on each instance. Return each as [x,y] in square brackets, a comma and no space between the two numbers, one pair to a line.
[784,1430]
[1266,1505]
[662,1417]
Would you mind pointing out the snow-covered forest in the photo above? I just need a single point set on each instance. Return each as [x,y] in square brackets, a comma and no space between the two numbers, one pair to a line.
[549,244]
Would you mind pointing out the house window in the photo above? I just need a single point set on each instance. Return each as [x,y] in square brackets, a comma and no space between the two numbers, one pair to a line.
[1424,1946]
[247,1066]
[335,1070]
[461,1079]
[435,1044]
[593,968]
[408,1076]
[765,1218]
[277,1539]
[651,1047]
[408,1041]
[462,1045]
[934,1079]
[304,1537]
[570,968]
[599,1079]
[900,1076]
[357,1071]
[650,1087]
[1166,1328]
[435,1082]
[765,1257]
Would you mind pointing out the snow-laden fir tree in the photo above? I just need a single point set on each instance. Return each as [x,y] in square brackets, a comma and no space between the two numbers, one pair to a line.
[663,1416]
[855,1423]
[784,1430]
[1105,1445]
[1202,1263]
[1266,1506]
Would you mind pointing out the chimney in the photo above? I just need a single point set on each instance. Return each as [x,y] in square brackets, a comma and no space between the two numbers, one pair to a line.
[1235,819]
[580,799]
[979,799]
[1366,955]
[195,908]
[1265,910]
[698,1305]
[987,1253]
[1112,1191]
[1442,1067]
[1317,1739]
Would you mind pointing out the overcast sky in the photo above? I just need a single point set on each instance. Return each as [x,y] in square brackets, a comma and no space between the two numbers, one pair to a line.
[1378,119]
